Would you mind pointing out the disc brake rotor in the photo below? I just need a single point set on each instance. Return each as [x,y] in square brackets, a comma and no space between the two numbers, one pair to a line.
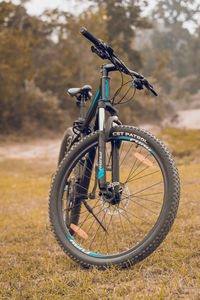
[123,203]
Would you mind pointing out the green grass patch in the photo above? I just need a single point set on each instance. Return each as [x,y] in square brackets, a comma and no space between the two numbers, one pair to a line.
[184,144]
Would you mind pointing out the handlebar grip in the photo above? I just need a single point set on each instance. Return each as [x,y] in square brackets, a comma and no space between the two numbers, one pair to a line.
[149,86]
[89,36]
[153,92]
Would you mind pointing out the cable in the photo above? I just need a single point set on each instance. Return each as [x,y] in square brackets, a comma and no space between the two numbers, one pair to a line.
[119,89]
[125,94]
[120,101]
[128,99]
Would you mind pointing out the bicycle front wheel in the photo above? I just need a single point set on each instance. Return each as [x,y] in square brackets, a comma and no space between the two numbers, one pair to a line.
[120,232]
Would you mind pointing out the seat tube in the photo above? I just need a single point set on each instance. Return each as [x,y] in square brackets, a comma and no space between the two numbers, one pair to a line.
[82,108]
[105,89]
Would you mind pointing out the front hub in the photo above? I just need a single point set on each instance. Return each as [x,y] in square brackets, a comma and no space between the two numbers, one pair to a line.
[117,198]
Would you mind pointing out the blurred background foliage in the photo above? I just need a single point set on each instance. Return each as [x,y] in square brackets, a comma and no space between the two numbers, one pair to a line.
[42,56]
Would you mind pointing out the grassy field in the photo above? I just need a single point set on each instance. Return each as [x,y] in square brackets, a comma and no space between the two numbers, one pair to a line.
[32,266]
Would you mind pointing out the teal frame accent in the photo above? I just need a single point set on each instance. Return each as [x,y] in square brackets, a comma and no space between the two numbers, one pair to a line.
[101,173]
[106,88]
[95,98]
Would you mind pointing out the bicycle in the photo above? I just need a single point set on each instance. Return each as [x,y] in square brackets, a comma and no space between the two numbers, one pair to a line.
[116,191]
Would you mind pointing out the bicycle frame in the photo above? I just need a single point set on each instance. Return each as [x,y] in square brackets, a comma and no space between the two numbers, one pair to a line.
[101,102]
[122,221]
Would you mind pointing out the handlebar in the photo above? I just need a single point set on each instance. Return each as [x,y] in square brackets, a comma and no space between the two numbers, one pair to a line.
[104,51]
[89,36]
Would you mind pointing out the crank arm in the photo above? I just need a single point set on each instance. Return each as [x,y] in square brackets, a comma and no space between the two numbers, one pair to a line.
[91,211]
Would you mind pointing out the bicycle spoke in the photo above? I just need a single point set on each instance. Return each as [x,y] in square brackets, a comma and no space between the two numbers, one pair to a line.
[114,234]
[143,207]
[97,230]
[133,171]
[149,187]
[138,197]
[128,212]
[132,224]
[133,178]
[95,206]
[135,161]
[104,235]
[121,149]
[126,155]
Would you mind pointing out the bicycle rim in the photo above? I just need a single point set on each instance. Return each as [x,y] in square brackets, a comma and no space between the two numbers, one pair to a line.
[115,230]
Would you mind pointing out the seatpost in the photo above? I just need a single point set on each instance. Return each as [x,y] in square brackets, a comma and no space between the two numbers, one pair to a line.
[82,108]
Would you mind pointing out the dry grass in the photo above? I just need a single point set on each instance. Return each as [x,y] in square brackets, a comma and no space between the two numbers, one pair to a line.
[32,266]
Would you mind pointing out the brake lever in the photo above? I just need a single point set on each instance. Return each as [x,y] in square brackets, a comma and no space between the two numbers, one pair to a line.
[104,46]
[100,53]
[138,84]
[149,86]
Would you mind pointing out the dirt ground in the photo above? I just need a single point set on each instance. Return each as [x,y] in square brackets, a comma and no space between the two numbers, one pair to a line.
[33,149]
[49,148]
[187,119]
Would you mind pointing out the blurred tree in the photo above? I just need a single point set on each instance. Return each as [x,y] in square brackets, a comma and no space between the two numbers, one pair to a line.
[5,10]
[177,11]
[171,34]
[15,66]
[162,72]
[195,50]
[20,38]
[123,18]
[41,57]
[175,39]
[69,59]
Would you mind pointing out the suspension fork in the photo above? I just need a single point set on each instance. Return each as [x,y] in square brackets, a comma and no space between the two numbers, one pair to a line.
[115,146]
[104,132]
[115,161]
[102,149]
[105,91]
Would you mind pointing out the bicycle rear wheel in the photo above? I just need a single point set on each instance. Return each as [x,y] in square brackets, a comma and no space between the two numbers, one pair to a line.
[71,194]
[119,232]
[66,144]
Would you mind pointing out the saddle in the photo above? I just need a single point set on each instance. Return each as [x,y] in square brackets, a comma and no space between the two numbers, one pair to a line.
[78,92]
